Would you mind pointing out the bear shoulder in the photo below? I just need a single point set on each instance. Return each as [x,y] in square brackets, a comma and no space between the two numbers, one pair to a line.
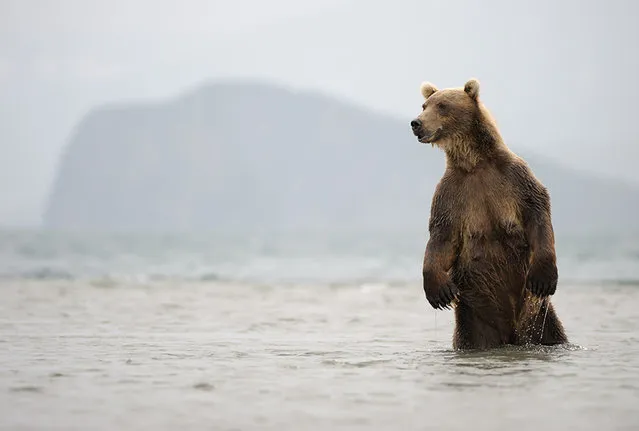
[534,196]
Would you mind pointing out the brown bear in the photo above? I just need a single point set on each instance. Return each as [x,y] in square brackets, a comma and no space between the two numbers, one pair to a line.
[491,249]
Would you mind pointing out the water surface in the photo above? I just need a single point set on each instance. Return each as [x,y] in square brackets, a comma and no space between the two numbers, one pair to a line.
[93,350]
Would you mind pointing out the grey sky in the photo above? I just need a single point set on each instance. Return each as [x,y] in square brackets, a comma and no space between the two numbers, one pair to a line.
[560,78]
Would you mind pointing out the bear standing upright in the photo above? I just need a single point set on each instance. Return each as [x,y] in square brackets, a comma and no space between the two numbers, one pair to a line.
[491,251]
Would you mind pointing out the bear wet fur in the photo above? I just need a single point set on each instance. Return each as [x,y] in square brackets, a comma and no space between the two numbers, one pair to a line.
[491,250]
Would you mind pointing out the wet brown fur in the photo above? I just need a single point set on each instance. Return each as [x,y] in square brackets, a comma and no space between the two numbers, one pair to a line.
[490,229]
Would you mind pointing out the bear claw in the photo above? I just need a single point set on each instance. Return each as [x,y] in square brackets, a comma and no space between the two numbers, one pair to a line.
[542,288]
[542,278]
[444,297]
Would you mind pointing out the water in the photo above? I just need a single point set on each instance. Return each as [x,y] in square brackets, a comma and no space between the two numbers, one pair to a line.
[302,332]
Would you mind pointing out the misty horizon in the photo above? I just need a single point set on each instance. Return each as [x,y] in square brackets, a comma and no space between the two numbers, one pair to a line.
[307,161]
[549,75]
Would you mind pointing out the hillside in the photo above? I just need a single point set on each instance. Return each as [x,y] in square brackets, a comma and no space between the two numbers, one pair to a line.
[239,156]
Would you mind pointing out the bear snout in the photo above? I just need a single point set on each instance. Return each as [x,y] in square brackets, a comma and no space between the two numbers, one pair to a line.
[416,125]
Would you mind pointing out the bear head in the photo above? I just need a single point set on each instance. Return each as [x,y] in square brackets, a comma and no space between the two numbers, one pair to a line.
[446,114]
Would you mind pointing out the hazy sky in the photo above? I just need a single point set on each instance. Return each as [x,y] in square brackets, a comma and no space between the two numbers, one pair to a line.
[560,78]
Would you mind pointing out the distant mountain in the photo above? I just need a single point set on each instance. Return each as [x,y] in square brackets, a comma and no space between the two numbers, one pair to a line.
[250,156]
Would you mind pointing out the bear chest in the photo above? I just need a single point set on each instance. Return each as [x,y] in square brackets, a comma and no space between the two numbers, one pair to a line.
[488,207]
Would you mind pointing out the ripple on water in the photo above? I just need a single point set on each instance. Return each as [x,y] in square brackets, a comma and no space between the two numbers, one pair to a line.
[168,356]
[309,353]
[514,353]
[466,385]
[203,386]
[30,389]
[355,364]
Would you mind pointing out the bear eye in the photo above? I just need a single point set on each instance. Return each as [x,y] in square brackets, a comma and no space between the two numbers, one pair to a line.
[423,106]
[443,107]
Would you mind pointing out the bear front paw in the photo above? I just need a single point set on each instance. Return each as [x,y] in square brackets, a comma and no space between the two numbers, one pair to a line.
[440,293]
[542,279]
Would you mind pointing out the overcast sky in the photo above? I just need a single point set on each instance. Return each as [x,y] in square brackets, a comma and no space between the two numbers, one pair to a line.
[536,61]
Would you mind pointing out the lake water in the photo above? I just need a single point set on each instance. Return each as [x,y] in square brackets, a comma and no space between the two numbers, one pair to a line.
[301,332]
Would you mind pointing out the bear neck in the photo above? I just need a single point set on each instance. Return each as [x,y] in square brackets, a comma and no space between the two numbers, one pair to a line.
[480,144]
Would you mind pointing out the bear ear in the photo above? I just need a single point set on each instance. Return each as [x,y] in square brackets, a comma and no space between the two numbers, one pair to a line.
[472,88]
[428,89]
